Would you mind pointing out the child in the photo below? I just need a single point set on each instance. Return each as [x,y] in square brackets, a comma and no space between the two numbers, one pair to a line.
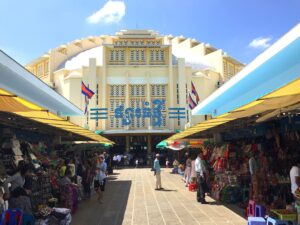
[136,163]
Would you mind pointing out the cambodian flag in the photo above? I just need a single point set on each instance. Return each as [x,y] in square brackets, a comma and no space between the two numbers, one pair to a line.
[194,91]
[86,91]
[192,103]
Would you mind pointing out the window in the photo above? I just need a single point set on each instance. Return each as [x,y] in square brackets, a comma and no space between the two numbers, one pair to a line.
[157,56]
[225,68]
[40,72]
[137,55]
[46,67]
[137,100]
[162,55]
[138,90]
[159,91]
[63,51]
[117,56]
[116,99]
[230,70]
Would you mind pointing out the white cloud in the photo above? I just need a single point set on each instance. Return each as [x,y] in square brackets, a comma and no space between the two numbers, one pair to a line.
[111,12]
[260,42]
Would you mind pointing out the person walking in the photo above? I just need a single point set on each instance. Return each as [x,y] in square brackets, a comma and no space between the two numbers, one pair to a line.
[295,176]
[87,179]
[188,170]
[201,170]
[157,171]
[100,179]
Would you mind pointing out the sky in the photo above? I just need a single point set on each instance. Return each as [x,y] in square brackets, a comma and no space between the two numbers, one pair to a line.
[242,28]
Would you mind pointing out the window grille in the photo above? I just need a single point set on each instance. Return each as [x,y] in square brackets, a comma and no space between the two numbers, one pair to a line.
[117,98]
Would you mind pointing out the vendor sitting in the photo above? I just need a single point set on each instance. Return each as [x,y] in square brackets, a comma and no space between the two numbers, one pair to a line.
[181,169]
[175,166]
[17,195]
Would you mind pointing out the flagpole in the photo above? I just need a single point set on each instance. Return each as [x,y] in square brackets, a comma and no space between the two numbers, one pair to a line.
[190,112]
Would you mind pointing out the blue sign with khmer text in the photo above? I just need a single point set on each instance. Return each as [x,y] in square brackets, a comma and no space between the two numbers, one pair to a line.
[128,114]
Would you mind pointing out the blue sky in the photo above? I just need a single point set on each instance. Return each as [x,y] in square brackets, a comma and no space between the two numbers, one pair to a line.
[242,28]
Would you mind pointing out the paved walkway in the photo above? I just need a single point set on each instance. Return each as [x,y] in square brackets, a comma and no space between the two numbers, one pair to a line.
[130,199]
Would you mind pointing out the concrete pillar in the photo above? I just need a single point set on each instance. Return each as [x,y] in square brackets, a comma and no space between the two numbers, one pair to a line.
[149,146]
[127,95]
[127,90]
[103,89]
[148,98]
[72,91]
[127,144]
[171,87]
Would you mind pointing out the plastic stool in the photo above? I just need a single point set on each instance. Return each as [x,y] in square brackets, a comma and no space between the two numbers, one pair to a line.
[271,221]
[12,217]
[27,219]
[260,211]
[251,211]
[256,221]
[192,187]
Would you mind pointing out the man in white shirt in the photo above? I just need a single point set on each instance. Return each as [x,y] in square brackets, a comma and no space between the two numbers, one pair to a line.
[200,170]
[295,176]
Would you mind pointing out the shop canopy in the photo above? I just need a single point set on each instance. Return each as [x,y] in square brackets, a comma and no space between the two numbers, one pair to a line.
[276,67]
[181,143]
[286,98]
[15,79]
[48,100]
[267,87]
[21,107]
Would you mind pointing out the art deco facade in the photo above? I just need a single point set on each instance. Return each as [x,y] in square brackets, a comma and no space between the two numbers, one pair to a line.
[132,69]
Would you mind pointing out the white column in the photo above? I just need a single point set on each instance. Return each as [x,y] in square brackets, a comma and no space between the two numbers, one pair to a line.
[103,89]
[148,98]
[92,83]
[182,82]
[171,87]
[127,94]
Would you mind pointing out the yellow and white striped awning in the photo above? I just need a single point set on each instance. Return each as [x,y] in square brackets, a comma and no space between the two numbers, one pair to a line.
[19,106]
[271,104]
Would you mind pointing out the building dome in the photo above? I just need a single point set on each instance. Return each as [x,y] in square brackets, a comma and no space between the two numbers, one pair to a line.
[82,59]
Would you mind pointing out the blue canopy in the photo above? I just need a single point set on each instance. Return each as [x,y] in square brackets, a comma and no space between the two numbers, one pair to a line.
[274,68]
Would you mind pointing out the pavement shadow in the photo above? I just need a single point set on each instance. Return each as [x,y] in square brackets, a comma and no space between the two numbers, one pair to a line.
[167,190]
[232,207]
[112,212]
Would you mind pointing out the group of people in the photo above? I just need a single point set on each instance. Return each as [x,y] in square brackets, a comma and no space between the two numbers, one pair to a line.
[71,180]
[193,171]
[196,172]
[79,176]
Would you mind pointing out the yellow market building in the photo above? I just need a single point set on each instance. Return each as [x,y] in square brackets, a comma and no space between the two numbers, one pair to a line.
[141,80]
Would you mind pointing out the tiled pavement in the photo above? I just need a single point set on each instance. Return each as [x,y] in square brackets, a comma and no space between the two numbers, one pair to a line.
[130,199]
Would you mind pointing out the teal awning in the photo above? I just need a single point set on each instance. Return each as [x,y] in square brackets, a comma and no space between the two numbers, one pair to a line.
[274,68]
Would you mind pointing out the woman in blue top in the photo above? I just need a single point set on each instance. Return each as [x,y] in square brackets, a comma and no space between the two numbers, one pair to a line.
[100,178]
[156,168]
